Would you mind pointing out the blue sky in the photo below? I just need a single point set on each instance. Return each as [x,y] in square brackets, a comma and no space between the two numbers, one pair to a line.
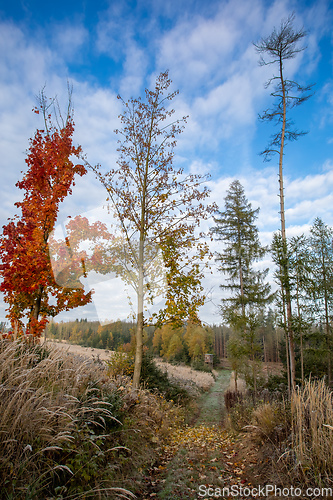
[108,47]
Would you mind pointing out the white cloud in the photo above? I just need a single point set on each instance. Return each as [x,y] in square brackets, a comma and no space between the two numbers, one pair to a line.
[305,199]
[24,68]
[230,103]
[310,187]
[192,49]
[113,30]
[135,67]
[326,96]
[68,40]
[96,118]
[203,50]
[307,210]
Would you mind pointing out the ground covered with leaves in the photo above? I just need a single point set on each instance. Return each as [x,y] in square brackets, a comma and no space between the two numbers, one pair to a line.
[198,457]
[202,455]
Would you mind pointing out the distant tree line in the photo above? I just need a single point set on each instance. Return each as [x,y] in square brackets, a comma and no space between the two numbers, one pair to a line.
[92,334]
[186,344]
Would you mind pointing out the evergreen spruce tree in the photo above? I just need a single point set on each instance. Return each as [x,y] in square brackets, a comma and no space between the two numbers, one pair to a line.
[248,292]
[321,248]
[300,275]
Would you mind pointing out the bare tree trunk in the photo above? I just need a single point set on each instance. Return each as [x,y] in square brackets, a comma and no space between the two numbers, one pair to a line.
[327,321]
[139,328]
[225,348]
[37,305]
[300,333]
[277,358]
[254,372]
[302,358]
[265,352]
[287,351]
[138,352]
[288,365]
[15,329]
[141,263]
[284,239]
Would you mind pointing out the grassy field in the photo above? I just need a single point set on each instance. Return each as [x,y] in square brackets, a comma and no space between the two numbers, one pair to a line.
[88,352]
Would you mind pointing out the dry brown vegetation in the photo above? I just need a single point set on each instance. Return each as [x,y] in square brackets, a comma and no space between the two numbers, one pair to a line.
[177,372]
[68,430]
[312,409]
[293,438]
[78,350]
[202,380]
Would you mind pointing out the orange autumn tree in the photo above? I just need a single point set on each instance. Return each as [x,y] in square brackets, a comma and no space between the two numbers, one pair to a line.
[70,261]
[28,284]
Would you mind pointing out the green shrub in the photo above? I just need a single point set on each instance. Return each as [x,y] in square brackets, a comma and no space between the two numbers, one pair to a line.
[199,365]
[277,383]
[120,363]
[153,378]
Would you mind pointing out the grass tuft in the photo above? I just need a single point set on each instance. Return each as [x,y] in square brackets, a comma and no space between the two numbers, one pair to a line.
[68,430]
[312,409]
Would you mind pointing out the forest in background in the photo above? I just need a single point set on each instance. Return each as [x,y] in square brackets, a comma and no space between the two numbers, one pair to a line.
[189,343]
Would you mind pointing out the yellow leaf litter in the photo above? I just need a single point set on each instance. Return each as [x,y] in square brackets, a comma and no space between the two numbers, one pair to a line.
[201,436]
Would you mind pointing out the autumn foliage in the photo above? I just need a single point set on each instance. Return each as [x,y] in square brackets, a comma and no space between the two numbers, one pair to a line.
[159,209]
[173,343]
[27,279]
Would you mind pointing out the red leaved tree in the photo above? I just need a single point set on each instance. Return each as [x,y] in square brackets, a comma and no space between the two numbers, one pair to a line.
[70,261]
[28,284]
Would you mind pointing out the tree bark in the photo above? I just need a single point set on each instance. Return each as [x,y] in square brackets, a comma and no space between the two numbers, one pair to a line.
[284,239]
[139,328]
[327,322]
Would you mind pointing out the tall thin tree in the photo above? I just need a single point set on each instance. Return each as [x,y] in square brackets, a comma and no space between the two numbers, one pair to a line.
[321,248]
[280,46]
[157,206]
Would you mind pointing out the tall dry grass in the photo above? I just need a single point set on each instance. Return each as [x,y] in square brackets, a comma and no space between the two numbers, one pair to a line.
[60,434]
[312,409]
[44,399]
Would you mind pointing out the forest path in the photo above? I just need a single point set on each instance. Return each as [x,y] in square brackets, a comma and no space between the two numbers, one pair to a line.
[211,404]
[200,454]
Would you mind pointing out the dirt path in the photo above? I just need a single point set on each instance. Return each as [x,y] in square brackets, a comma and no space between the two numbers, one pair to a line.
[200,454]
